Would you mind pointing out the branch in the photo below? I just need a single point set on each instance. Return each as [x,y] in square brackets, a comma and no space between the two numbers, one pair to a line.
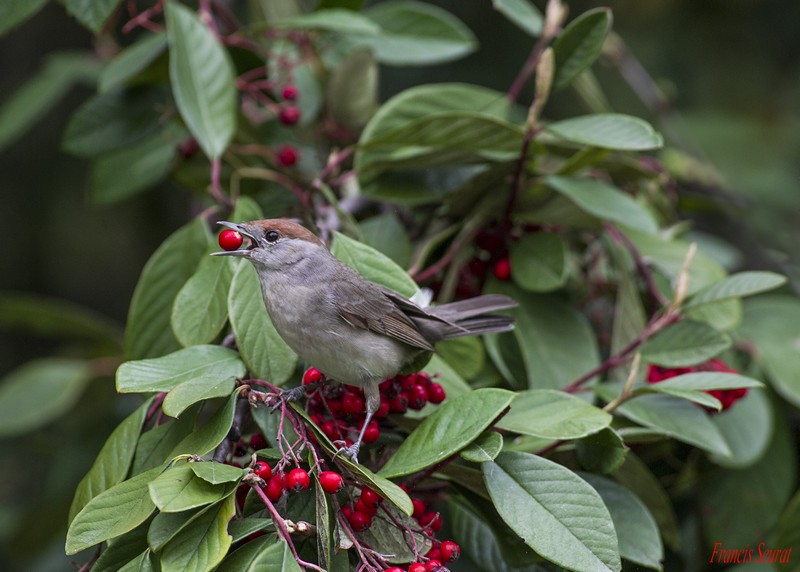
[641,265]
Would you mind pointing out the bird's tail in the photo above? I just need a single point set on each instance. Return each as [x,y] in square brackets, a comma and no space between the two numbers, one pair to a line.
[473,316]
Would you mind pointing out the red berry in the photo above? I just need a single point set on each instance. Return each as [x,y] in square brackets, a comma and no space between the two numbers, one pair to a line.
[297,480]
[406,381]
[286,156]
[417,567]
[399,404]
[423,379]
[257,441]
[450,551]
[372,433]
[263,470]
[432,519]
[383,409]
[369,510]
[434,554]
[436,393]
[370,497]
[417,397]
[353,404]
[331,482]
[189,148]
[347,511]
[359,521]
[275,488]
[230,239]
[419,508]
[502,269]
[312,375]
[289,115]
[290,93]
[394,569]
[432,565]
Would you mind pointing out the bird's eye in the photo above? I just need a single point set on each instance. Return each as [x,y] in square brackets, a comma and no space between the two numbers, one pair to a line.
[272,236]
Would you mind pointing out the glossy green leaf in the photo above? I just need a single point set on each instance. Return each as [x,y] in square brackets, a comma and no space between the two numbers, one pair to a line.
[637,531]
[604,201]
[118,175]
[464,355]
[130,61]
[483,449]
[197,389]
[522,13]
[115,511]
[693,386]
[603,452]
[608,131]
[352,91]
[684,344]
[332,20]
[552,414]
[530,494]
[325,520]
[113,461]
[539,262]
[179,488]
[737,286]
[155,445]
[145,562]
[92,13]
[747,428]
[164,373]
[15,12]
[165,525]
[204,543]
[114,120]
[41,92]
[122,549]
[372,264]
[453,426]
[276,558]
[454,385]
[580,44]
[148,333]
[200,309]
[263,350]
[217,473]
[385,233]
[211,433]
[246,558]
[203,79]
[415,33]
[243,527]
[40,392]
[671,416]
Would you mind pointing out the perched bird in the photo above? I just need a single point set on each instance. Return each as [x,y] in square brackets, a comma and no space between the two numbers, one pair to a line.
[353,330]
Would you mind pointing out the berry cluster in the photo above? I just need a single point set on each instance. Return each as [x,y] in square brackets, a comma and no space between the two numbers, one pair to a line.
[442,553]
[339,410]
[727,397]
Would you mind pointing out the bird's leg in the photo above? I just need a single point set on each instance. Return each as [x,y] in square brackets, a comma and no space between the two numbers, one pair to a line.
[373,398]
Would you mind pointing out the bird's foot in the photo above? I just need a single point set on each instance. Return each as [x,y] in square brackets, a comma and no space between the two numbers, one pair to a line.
[351,452]
[289,395]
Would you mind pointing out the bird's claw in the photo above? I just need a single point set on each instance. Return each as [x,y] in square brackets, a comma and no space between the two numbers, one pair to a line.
[286,396]
[351,452]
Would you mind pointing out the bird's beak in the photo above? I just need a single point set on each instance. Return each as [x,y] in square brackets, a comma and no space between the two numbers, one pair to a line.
[245,250]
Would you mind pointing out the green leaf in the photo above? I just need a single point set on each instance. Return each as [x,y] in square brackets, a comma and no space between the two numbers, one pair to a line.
[263,350]
[247,558]
[604,201]
[210,434]
[113,512]
[539,262]
[39,392]
[693,386]
[156,444]
[243,527]
[179,488]
[165,525]
[110,121]
[113,461]
[453,426]
[483,449]
[384,533]
[92,13]
[629,317]
[41,92]
[608,131]
[603,452]
[325,520]
[414,33]
[203,80]
[552,414]
[204,543]
[217,473]
[747,428]
[121,174]
[736,286]
[554,511]
[454,385]
[385,233]
[787,534]
[522,13]
[684,344]
[130,61]
[15,12]
[352,91]
[276,558]
[636,528]
[373,265]
[332,20]
[200,309]
[186,394]
[464,355]
[148,333]
[671,416]
[556,342]
[164,373]
[122,549]
[580,44]
[145,562]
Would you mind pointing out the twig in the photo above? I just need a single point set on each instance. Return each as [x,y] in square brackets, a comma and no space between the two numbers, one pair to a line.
[626,391]
[641,265]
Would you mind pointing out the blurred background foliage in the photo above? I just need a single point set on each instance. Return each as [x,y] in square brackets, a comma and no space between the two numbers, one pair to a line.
[730,74]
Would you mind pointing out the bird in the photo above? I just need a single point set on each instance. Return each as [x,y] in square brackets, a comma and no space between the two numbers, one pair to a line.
[353,330]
